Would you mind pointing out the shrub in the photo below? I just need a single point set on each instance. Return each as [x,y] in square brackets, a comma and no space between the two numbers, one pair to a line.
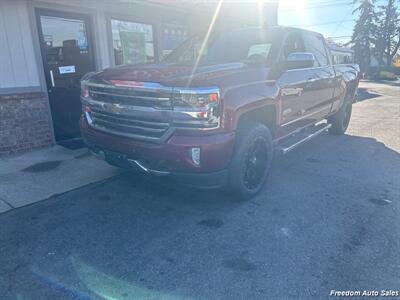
[386,75]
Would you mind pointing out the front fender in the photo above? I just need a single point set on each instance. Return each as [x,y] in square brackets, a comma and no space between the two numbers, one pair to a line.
[243,99]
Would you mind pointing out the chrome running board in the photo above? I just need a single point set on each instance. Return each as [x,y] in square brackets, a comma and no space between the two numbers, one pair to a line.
[284,149]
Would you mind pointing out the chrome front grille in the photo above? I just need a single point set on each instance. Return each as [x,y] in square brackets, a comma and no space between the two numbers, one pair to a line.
[145,111]
[128,96]
[128,125]
[143,114]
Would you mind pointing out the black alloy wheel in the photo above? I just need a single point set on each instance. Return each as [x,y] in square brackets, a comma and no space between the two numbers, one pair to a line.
[340,120]
[251,160]
[255,163]
[346,116]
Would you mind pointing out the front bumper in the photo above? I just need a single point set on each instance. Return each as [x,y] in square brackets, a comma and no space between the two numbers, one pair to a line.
[169,158]
[210,180]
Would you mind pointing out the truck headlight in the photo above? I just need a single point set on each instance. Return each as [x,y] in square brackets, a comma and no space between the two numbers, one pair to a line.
[197,99]
[196,107]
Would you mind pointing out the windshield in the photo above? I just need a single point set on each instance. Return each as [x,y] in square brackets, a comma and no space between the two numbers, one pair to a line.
[236,46]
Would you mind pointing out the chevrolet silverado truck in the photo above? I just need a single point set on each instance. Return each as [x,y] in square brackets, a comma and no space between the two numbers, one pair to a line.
[214,111]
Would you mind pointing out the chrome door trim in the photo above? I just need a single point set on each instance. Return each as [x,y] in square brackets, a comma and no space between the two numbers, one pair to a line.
[305,116]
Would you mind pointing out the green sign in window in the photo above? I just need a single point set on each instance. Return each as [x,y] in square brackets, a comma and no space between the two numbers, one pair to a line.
[132,42]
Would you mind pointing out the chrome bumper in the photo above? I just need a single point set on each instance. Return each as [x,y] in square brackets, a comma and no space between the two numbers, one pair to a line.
[132,162]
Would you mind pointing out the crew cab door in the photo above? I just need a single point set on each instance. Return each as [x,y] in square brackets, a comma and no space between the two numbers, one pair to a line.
[295,88]
[306,94]
[321,78]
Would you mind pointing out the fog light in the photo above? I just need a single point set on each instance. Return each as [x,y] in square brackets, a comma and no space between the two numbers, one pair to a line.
[195,154]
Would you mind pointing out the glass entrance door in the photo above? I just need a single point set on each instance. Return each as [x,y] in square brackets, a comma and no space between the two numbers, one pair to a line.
[67,55]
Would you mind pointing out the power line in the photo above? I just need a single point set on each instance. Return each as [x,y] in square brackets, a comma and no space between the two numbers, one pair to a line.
[338,37]
[321,24]
[318,6]
[341,22]
[310,3]
[324,1]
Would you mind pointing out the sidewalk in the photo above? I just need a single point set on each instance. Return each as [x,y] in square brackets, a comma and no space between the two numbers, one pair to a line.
[37,175]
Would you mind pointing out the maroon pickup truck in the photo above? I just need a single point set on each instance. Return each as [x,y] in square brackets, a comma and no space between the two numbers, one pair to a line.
[214,111]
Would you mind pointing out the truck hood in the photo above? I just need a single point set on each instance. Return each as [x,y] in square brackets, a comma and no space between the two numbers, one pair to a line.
[181,75]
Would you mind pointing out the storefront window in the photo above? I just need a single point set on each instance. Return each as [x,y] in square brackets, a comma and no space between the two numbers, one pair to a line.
[173,36]
[132,42]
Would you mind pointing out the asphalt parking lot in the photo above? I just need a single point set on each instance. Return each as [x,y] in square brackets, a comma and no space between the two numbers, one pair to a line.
[328,219]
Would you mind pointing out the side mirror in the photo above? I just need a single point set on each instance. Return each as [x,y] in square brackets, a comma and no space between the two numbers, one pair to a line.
[298,60]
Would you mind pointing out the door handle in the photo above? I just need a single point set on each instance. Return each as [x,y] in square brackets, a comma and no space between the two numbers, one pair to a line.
[291,91]
[52,78]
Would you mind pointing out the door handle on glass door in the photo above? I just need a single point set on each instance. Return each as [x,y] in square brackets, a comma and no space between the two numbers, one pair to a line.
[52,78]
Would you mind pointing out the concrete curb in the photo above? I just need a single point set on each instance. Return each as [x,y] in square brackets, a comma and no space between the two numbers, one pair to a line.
[32,177]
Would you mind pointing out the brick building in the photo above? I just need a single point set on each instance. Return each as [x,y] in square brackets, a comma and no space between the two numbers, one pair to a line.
[46,46]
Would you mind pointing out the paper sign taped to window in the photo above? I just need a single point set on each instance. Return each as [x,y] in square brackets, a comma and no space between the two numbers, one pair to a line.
[66,69]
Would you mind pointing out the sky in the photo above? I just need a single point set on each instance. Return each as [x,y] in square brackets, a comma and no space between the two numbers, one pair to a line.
[332,18]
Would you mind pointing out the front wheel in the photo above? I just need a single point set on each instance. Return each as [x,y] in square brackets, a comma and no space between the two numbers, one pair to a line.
[251,161]
[341,119]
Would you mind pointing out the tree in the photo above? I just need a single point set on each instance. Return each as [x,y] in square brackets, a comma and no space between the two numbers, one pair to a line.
[363,32]
[388,32]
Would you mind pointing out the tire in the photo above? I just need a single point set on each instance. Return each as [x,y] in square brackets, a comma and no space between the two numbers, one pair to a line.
[341,119]
[251,161]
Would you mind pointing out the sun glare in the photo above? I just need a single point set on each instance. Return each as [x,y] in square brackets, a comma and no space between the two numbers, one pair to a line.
[260,8]
[205,41]
[295,8]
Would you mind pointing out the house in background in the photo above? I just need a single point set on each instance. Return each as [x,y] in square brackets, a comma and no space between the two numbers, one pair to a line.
[341,54]
[47,46]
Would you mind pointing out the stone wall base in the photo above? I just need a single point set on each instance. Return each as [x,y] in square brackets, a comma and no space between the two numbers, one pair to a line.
[24,123]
